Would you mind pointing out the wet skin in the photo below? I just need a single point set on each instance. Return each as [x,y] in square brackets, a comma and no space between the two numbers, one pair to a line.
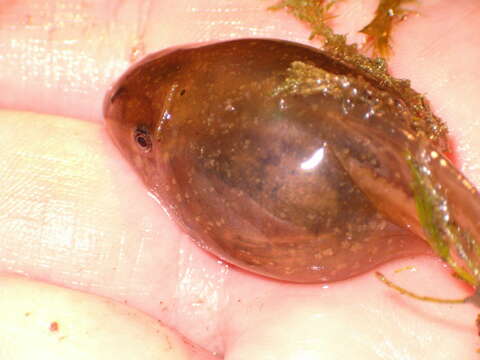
[280,159]
[149,262]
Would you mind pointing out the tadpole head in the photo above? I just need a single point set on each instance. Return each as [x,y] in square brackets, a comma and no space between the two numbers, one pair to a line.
[130,124]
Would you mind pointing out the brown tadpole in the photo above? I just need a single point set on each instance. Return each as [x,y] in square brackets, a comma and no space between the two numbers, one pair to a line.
[275,156]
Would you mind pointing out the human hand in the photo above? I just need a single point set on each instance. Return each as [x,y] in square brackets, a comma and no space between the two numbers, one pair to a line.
[74,214]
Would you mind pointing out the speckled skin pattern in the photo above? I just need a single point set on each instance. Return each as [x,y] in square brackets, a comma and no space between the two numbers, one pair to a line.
[261,168]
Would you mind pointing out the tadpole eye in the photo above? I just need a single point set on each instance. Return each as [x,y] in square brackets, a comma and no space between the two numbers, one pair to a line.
[142,139]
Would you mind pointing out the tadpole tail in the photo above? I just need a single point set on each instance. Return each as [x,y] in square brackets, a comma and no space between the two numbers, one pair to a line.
[448,207]
[417,187]
[391,159]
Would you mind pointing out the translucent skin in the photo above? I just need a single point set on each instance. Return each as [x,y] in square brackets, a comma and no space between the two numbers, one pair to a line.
[265,179]
[139,262]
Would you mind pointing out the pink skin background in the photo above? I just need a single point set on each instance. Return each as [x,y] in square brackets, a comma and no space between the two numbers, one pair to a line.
[73,213]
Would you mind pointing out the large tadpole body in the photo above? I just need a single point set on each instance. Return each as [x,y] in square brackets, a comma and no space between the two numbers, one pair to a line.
[276,157]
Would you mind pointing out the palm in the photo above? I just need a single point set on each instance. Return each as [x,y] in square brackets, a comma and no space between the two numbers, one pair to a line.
[74,214]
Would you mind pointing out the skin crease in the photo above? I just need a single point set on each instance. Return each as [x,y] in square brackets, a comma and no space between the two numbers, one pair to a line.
[73,213]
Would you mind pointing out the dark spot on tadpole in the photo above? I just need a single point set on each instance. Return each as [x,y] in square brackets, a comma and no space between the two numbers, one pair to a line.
[273,182]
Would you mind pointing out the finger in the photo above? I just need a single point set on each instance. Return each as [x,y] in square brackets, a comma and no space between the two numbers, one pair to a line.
[45,321]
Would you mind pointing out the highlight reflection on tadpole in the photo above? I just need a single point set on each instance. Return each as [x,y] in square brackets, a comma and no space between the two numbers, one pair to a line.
[314,161]
[282,160]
